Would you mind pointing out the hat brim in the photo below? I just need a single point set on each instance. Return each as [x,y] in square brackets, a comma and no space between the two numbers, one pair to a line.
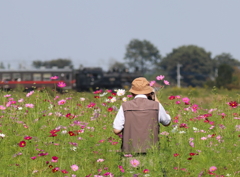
[146,90]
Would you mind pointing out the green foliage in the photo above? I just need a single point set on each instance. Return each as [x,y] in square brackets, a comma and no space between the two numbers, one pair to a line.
[225,58]
[225,73]
[142,55]
[196,63]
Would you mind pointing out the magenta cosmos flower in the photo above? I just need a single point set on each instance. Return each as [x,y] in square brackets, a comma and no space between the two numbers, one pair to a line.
[134,162]
[54,77]
[61,102]
[61,84]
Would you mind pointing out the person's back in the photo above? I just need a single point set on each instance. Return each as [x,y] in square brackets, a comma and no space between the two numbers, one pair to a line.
[141,125]
[139,119]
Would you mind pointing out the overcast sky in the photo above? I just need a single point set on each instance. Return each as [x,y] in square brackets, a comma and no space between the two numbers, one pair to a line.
[92,33]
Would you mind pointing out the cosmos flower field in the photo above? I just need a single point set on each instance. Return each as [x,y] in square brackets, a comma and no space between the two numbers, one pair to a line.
[46,133]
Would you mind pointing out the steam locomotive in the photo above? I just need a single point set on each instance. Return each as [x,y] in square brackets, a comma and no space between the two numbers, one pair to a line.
[84,79]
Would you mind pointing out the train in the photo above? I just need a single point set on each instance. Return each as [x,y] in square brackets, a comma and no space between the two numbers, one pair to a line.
[85,79]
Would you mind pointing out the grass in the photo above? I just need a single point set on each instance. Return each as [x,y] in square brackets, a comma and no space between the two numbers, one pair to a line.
[93,137]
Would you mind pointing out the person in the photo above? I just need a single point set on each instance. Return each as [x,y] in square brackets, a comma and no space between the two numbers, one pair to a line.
[138,119]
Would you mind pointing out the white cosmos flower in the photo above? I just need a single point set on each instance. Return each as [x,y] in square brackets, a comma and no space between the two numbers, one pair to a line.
[120,92]
[64,131]
[174,129]
[113,99]
[124,99]
[195,129]
[73,148]
[2,135]
[103,94]
[182,132]
[19,108]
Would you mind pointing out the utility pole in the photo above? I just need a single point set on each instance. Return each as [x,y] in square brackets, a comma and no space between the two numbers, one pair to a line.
[178,75]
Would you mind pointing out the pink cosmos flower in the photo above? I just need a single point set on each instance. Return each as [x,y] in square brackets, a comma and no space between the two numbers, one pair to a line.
[203,138]
[54,77]
[127,155]
[129,96]
[191,143]
[152,83]
[177,102]
[61,102]
[54,159]
[61,84]
[29,105]
[33,158]
[212,168]
[177,96]
[30,93]
[134,162]
[100,160]
[20,100]
[185,100]
[74,167]
[166,82]
[161,77]
[2,107]
[7,96]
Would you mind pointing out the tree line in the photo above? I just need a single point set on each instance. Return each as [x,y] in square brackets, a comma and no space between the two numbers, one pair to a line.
[198,67]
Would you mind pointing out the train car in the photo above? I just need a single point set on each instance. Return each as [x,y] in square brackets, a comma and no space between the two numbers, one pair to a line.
[95,78]
[35,78]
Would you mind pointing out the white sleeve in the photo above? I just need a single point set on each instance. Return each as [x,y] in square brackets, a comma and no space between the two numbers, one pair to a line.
[163,117]
[119,120]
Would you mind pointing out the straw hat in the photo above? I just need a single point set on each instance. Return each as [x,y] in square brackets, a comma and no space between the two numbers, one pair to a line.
[140,85]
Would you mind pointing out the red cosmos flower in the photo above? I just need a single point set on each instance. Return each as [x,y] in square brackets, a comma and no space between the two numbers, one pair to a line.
[52,135]
[145,171]
[183,125]
[213,135]
[71,133]
[171,97]
[54,131]
[190,158]
[233,104]
[64,171]
[110,109]
[27,137]
[96,96]
[114,143]
[192,154]
[55,169]
[114,94]
[175,155]
[70,116]
[22,144]
[110,97]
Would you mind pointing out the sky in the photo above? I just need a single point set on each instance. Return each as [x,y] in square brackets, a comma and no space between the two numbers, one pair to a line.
[96,33]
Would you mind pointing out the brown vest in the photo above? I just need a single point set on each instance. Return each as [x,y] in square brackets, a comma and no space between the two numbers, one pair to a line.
[141,126]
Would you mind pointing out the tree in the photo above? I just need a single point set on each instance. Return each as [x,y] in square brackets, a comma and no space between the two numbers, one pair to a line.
[141,55]
[225,58]
[196,65]
[117,66]
[225,73]
[2,65]
[60,63]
